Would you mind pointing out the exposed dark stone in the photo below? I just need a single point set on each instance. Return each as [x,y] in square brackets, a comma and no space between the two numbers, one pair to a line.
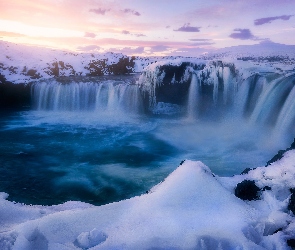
[96,68]
[291,205]
[124,66]
[175,84]
[14,95]
[182,162]
[291,243]
[247,190]
[280,154]
[33,74]
[55,69]
[266,188]
[277,157]
[278,230]
[246,171]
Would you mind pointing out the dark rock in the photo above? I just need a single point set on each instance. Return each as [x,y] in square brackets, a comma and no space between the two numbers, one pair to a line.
[247,190]
[291,205]
[182,162]
[246,171]
[277,157]
[266,188]
[278,230]
[291,243]
[124,66]
[280,154]
[33,74]
[14,95]
[55,69]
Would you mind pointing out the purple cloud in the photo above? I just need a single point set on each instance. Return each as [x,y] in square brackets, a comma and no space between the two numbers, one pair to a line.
[265,20]
[128,50]
[99,11]
[199,40]
[89,34]
[134,12]
[139,35]
[187,28]
[243,34]
[202,43]
[125,32]
[88,48]
[159,48]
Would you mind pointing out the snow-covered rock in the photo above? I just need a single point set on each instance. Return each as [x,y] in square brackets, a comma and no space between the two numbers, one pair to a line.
[23,64]
[191,209]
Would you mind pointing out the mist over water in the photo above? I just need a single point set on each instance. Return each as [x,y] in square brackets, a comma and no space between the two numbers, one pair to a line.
[94,141]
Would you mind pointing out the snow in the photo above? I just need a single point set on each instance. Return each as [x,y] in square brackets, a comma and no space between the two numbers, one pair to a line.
[191,209]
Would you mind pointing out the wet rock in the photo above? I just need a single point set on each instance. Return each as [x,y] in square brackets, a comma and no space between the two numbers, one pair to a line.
[291,205]
[247,190]
[291,243]
[280,154]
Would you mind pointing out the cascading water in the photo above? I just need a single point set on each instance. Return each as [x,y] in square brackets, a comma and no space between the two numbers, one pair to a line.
[193,97]
[108,96]
[75,143]
[266,100]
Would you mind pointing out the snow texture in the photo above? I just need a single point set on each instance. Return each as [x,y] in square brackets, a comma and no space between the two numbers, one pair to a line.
[191,209]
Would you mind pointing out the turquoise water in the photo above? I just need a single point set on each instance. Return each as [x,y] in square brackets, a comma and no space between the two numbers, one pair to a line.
[49,157]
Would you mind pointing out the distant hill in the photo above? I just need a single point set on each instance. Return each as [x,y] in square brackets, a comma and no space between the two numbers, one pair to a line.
[23,64]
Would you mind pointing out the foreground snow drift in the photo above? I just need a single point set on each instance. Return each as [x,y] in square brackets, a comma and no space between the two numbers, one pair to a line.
[191,209]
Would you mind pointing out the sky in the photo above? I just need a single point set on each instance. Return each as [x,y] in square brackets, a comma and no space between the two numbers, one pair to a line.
[147,27]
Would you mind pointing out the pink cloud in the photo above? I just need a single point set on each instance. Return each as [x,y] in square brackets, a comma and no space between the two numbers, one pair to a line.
[89,34]
[133,12]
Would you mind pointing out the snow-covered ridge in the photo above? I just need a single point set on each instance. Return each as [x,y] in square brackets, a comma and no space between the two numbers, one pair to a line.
[22,64]
[191,209]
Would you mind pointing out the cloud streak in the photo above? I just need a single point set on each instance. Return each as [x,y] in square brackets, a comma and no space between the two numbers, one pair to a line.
[133,12]
[128,50]
[99,11]
[187,28]
[199,40]
[266,20]
[88,48]
[202,43]
[89,34]
[243,34]
[126,32]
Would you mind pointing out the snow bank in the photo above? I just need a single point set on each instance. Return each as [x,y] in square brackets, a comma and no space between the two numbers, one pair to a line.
[191,209]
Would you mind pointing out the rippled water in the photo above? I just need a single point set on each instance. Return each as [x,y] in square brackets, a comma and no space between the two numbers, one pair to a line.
[48,157]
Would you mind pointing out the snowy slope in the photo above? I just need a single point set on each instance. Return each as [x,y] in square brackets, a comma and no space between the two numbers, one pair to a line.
[191,209]
[21,64]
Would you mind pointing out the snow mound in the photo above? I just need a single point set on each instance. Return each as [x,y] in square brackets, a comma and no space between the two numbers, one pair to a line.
[191,209]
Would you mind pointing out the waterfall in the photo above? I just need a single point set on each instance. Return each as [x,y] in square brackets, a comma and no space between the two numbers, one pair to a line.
[192,103]
[108,96]
[265,99]
[262,99]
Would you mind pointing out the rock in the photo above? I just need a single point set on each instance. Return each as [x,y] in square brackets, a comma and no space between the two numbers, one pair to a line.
[291,205]
[14,95]
[246,171]
[247,190]
[280,154]
[291,243]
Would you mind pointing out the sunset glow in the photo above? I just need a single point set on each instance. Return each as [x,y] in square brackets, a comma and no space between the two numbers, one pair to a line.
[147,27]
